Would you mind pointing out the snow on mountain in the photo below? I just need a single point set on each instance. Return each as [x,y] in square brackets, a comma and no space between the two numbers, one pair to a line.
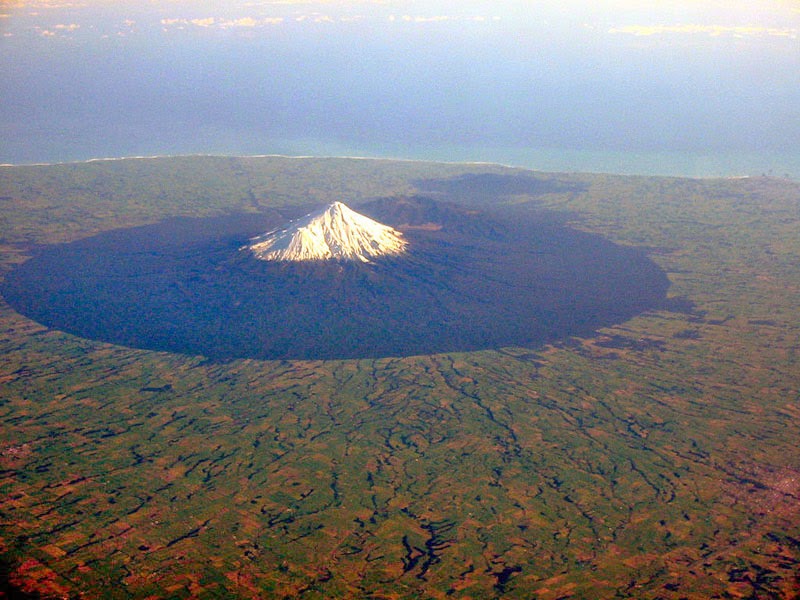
[336,232]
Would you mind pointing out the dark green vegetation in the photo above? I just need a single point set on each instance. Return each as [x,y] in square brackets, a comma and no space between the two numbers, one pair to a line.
[657,458]
[468,282]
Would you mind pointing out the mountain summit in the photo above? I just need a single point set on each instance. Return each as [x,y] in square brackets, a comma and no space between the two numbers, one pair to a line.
[334,233]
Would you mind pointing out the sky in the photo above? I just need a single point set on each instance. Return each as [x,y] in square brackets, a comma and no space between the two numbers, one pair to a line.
[416,79]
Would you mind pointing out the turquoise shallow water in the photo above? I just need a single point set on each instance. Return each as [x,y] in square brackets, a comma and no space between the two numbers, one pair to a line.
[666,163]
[663,163]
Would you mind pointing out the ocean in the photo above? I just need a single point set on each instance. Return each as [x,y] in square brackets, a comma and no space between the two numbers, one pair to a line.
[570,97]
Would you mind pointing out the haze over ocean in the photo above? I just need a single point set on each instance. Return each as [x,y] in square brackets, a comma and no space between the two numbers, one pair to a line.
[697,88]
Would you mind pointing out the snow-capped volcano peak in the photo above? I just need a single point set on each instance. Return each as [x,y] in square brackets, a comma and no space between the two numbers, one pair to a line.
[334,233]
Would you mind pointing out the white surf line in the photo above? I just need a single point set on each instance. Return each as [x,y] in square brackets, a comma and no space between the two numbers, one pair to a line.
[275,155]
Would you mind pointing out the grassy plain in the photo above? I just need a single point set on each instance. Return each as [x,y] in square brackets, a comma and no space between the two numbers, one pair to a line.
[659,458]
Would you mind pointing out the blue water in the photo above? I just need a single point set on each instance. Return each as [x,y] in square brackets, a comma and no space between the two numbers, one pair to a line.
[527,96]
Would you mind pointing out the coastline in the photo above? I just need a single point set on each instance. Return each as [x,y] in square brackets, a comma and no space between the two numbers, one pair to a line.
[646,164]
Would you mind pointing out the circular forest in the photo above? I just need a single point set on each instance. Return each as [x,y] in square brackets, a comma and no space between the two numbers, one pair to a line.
[470,280]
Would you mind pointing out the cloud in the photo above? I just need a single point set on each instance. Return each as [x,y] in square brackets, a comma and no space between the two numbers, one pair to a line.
[315,18]
[35,4]
[710,30]
[57,30]
[242,22]
[208,22]
[441,18]
[434,19]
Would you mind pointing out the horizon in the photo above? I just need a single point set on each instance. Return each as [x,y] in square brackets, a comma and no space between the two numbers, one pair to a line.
[689,88]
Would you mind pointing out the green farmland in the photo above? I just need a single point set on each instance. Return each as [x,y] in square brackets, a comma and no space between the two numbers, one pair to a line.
[657,458]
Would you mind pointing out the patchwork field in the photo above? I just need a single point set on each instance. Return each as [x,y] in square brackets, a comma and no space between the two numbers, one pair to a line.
[654,458]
